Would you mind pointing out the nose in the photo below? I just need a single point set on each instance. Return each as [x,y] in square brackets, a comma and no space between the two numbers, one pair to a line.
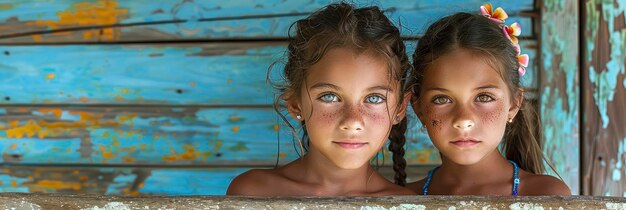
[464,119]
[352,119]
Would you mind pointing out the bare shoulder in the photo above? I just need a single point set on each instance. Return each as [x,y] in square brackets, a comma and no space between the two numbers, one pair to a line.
[537,184]
[252,182]
[417,186]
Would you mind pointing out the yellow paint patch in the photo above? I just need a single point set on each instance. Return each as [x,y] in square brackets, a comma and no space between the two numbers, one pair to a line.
[106,154]
[128,159]
[140,185]
[53,184]
[234,118]
[189,154]
[131,192]
[13,183]
[42,128]
[51,76]
[192,84]
[276,127]
[55,111]
[229,81]
[235,129]
[13,146]
[6,6]
[218,145]
[101,12]
[83,99]
[119,98]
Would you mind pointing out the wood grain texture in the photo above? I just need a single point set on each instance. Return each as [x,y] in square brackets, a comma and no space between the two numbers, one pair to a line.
[175,74]
[559,89]
[65,21]
[604,62]
[72,201]
[169,97]
[161,135]
[135,181]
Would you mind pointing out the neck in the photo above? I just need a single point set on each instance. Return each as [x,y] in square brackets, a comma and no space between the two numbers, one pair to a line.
[328,179]
[493,167]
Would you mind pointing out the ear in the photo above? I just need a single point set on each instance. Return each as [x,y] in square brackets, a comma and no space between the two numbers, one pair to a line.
[401,112]
[293,105]
[516,104]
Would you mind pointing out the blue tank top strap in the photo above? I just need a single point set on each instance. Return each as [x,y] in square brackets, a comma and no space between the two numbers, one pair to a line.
[516,179]
[427,183]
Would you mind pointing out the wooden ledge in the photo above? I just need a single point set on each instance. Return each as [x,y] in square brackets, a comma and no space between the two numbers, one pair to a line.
[97,202]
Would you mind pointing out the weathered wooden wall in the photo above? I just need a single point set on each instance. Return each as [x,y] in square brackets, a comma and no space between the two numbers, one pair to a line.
[169,97]
[559,88]
[604,98]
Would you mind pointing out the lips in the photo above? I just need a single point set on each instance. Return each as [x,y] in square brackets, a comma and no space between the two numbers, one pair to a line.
[350,144]
[465,142]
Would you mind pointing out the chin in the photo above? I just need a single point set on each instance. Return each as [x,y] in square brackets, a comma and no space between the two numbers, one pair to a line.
[464,159]
[350,164]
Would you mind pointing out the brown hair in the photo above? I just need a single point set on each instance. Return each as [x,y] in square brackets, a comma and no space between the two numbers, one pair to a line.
[479,34]
[360,29]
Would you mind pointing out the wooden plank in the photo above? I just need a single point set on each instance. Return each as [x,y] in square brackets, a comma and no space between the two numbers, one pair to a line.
[200,74]
[136,180]
[66,21]
[559,89]
[161,136]
[604,98]
[95,202]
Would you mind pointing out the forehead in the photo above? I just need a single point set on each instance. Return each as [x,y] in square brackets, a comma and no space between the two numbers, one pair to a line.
[345,65]
[462,67]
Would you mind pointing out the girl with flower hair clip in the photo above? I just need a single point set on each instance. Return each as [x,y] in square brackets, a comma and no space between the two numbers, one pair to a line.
[467,93]
[344,84]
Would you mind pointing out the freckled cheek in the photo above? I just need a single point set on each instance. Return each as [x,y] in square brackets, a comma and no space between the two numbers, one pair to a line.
[325,116]
[375,116]
[493,113]
[434,118]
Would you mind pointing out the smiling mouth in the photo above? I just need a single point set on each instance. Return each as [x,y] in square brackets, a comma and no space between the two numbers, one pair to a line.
[350,145]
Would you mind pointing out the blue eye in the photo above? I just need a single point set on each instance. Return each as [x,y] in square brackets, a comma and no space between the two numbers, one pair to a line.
[329,98]
[374,99]
[441,100]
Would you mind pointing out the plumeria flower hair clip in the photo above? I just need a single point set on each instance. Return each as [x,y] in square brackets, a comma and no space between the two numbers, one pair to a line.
[511,32]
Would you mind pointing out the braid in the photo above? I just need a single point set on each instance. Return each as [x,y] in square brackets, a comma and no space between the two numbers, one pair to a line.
[396,146]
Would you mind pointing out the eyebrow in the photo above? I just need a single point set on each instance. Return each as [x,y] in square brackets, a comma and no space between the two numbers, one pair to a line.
[335,87]
[478,88]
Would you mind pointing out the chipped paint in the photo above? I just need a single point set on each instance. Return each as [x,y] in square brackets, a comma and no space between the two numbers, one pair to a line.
[605,37]
[101,12]
[559,92]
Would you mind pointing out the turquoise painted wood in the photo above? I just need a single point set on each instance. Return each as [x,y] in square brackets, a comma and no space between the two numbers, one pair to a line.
[135,180]
[207,74]
[160,136]
[150,113]
[178,20]
[559,89]
[604,64]
[155,136]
